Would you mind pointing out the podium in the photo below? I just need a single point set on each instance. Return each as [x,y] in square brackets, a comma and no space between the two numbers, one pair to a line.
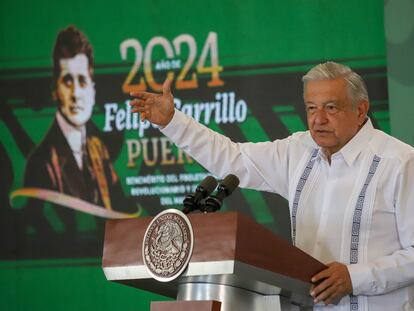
[236,263]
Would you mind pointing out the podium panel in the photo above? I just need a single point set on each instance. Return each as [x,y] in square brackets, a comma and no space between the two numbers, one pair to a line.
[233,258]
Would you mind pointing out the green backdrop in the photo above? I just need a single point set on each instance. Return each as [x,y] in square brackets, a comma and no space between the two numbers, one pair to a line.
[264,47]
[399,30]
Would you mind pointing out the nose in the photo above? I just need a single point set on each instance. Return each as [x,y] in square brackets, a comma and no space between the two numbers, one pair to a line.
[320,116]
[77,89]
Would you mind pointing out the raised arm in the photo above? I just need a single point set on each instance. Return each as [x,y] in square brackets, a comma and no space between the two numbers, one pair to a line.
[261,166]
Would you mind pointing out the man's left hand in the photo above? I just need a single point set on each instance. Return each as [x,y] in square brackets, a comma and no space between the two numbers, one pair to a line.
[335,283]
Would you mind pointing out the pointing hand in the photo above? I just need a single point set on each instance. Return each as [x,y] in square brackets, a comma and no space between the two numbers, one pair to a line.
[156,108]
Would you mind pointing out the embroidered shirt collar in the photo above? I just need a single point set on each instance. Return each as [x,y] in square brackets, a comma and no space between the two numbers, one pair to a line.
[353,148]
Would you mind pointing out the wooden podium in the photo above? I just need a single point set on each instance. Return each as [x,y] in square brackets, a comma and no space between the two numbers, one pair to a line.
[236,263]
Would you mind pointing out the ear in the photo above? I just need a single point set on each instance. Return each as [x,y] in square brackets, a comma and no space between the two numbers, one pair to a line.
[54,95]
[90,69]
[363,108]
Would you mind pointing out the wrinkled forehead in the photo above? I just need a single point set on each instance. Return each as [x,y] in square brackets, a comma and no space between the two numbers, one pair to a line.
[78,65]
[325,90]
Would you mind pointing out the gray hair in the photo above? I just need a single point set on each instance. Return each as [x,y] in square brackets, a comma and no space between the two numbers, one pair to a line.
[331,70]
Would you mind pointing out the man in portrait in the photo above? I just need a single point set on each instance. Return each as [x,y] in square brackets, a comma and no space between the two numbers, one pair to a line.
[72,158]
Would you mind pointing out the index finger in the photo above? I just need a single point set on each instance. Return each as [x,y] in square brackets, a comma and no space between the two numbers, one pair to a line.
[321,275]
[142,95]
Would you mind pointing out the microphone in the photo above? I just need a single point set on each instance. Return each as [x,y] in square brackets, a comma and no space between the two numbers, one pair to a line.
[225,188]
[191,201]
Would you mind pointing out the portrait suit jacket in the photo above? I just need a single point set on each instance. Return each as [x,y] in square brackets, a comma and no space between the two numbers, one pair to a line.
[52,166]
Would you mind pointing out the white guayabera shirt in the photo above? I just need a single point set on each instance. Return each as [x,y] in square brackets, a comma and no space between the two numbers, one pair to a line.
[359,210]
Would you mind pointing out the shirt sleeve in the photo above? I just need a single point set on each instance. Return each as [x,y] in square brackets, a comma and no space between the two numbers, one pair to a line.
[260,166]
[396,270]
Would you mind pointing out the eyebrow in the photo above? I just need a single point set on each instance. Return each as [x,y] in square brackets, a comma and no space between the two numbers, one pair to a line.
[324,103]
[67,75]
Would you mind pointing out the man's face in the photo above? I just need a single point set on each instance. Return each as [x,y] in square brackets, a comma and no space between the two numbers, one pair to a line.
[75,90]
[332,119]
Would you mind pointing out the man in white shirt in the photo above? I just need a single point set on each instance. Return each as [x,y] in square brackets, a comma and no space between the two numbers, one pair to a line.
[348,187]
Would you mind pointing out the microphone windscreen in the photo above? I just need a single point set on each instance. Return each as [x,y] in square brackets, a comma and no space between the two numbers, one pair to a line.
[208,184]
[230,182]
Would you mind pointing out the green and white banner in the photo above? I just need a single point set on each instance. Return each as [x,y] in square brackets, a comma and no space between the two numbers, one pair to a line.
[73,155]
